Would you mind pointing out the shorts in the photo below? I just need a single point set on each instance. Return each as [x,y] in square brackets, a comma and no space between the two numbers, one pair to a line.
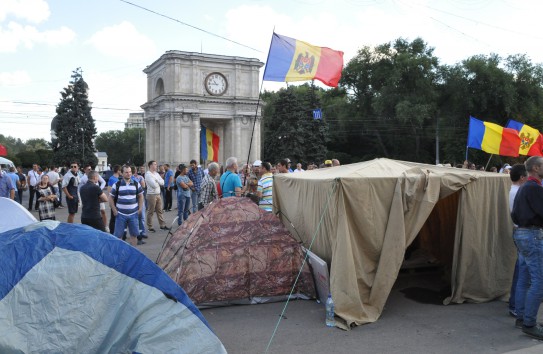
[122,221]
[103,206]
[98,224]
[73,205]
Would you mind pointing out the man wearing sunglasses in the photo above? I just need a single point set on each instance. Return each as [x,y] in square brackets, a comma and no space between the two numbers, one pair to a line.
[69,186]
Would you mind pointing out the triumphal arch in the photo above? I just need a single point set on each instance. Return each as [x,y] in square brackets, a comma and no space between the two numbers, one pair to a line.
[188,90]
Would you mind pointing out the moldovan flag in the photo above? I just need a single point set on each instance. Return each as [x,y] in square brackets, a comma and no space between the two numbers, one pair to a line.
[3,150]
[493,138]
[209,145]
[290,59]
[531,141]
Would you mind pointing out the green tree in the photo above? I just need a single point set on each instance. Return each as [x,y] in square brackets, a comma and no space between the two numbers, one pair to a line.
[37,144]
[123,146]
[74,126]
[289,129]
[394,90]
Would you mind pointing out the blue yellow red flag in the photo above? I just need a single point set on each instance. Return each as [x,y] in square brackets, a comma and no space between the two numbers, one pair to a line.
[209,145]
[531,141]
[290,59]
[492,138]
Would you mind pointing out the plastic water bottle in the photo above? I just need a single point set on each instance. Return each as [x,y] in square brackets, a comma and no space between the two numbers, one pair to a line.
[330,320]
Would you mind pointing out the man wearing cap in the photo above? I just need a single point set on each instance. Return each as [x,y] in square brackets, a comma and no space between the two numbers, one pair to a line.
[328,163]
[288,165]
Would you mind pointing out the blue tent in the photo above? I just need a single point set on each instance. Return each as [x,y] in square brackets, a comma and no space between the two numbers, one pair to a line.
[69,288]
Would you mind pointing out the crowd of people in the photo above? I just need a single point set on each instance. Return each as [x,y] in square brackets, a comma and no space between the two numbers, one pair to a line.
[135,195]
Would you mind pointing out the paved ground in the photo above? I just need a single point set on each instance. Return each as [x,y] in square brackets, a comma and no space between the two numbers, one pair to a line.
[406,326]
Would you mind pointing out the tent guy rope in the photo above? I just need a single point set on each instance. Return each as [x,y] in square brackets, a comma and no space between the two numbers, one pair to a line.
[332,190]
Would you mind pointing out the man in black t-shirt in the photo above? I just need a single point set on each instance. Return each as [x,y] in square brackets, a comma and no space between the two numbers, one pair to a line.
[91,196]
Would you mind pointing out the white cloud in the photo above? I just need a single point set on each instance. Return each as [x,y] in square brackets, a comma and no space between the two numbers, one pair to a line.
[123,41]
[15,78]
[34,11]
[14,35]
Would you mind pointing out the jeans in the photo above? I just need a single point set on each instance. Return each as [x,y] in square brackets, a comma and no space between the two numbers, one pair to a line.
[168,204]
[122,221]
[512,306]
[20,196]
[529,292]
[183,204]
[194,196]
[141,222]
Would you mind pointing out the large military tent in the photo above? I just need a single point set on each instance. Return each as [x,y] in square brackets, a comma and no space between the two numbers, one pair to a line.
[372,211]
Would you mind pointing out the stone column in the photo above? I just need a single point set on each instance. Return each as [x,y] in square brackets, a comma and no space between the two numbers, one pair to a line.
[220,132]
[149,131]
[156,139]
[161,139]
[255,147]
[195,139]
[177,139]
[237,134]
[168,139]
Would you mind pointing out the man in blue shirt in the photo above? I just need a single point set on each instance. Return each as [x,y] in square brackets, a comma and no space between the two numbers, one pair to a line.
[230,182]
[168,185]
[15,182]
[6,187]
[126,204]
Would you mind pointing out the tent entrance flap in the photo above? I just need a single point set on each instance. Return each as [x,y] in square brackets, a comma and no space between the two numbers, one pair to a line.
[429,257]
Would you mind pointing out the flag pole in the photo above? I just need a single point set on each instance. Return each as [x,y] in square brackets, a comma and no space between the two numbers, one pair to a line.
[486,167]
[258,102]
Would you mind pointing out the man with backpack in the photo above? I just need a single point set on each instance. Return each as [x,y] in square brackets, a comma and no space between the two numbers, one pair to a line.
[126,202]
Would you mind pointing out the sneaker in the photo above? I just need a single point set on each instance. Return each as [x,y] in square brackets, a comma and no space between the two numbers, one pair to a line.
[107,229]
[164,228]
[534,331]
[141,242]
[512,313]
[151,230]
[60,207]
[144,236]
[518,323]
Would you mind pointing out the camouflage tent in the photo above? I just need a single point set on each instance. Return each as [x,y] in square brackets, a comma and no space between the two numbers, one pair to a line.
[232,253]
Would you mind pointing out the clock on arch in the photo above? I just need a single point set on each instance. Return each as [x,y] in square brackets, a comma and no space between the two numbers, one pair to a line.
[216,84]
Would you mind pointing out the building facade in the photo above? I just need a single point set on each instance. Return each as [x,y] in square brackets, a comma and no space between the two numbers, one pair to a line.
[135,120]
[186,90]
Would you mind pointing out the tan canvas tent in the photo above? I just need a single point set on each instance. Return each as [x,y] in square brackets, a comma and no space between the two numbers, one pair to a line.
[365,215]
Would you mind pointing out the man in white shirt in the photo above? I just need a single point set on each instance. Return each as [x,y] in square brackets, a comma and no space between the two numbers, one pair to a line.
[33,179]
[154,198]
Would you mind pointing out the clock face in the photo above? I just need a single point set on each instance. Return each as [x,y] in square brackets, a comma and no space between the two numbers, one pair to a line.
[216,84]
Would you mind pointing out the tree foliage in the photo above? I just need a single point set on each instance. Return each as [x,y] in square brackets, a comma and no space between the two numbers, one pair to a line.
[123,146]
[74,126]
[289,129]
[395,99]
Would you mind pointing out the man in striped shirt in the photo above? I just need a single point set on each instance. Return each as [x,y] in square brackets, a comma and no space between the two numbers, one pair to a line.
[126,202]
[265,187]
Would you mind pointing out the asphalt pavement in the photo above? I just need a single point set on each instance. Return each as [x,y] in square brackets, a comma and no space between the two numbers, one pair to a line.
[412,321]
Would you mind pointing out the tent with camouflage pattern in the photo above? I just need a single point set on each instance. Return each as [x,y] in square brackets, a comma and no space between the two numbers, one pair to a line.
[232,252]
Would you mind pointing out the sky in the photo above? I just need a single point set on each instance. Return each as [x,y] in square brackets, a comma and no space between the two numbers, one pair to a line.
[112,41]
